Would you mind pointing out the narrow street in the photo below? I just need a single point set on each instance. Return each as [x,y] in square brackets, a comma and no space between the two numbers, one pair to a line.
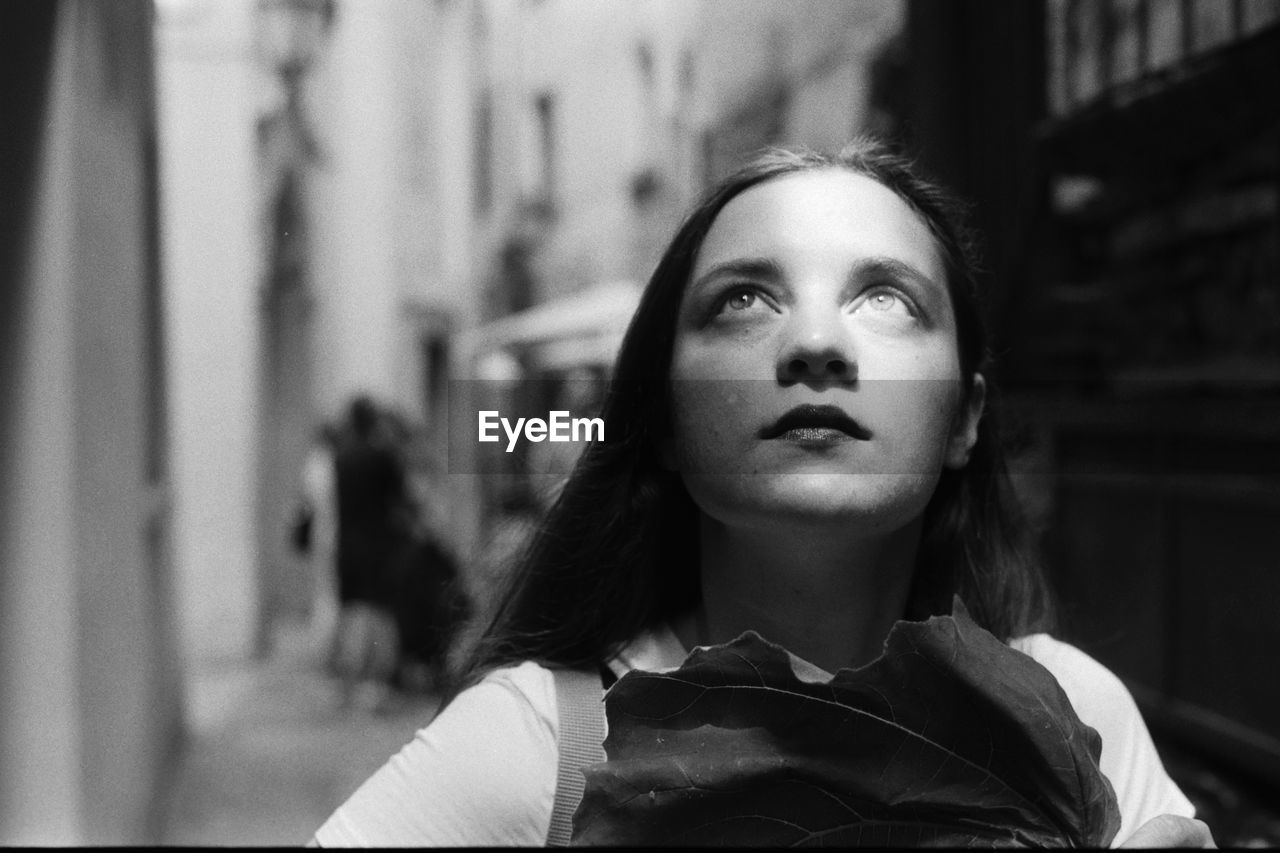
[270,754]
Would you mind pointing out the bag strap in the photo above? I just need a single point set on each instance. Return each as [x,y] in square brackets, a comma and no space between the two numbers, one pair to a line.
[580,708]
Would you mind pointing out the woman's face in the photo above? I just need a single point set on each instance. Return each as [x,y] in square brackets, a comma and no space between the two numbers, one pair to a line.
[815,374]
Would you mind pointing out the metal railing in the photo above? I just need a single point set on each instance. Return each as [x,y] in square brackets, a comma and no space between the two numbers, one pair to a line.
[1098,46]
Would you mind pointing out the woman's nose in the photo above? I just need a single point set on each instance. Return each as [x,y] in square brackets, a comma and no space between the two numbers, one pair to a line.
[817,348]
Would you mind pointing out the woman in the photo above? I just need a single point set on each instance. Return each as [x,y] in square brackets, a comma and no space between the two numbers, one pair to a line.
[801,443]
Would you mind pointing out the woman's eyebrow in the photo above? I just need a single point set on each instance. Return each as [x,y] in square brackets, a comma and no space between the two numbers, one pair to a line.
[745,267]
[893,267]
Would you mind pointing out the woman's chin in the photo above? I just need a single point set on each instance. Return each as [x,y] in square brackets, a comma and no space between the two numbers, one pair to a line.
[874,502]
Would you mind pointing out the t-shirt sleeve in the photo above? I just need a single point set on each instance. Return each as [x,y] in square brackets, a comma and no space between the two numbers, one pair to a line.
[1129,757]
[482,773]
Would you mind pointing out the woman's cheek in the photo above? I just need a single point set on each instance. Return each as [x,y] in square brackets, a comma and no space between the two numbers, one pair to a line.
[705,414]
[922,413]
[737,351]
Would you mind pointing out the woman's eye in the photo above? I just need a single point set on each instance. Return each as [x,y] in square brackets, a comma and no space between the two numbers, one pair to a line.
[738,300]
[887,301]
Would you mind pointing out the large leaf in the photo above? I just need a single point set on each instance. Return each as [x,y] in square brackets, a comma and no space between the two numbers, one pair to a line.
[949,738]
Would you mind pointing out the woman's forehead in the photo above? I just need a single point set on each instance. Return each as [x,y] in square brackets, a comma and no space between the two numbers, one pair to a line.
[829,212]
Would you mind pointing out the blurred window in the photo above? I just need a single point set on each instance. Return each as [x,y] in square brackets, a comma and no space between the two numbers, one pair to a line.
[546,108]
[644,59]
[483,129]
[1098,47]
[435,357]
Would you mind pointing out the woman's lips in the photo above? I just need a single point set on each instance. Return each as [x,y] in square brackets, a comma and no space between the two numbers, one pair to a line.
[815,425]
[815,436]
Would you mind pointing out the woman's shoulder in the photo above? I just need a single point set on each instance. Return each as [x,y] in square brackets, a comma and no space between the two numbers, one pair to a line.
[1085,680]
[1129,758]
[529,684]
[1097,694]
[483,772]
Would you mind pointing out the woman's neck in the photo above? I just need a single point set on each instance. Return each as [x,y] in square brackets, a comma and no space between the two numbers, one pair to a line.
[830,599]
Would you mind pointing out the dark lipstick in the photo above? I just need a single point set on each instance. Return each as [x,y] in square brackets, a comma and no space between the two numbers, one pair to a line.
[815,423]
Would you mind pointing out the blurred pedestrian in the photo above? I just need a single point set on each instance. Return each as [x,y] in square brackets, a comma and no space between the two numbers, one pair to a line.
[315,534]
[430,606]
[374,521]
[850,489]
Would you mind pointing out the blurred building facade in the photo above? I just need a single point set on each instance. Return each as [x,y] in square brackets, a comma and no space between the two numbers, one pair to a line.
[597,124]
[211,89]
[800,74]
[1161,149]
[315,158]
[90,692]
[1122,161]
[388,273]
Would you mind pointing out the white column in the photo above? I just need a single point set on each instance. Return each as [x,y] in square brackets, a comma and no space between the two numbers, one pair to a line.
[208,95]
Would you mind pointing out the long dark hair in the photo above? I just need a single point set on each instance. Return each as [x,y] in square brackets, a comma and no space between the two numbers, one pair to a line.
[618,552]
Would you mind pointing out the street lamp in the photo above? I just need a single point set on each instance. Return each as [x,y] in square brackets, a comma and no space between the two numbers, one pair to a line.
[289,39]
[291,33]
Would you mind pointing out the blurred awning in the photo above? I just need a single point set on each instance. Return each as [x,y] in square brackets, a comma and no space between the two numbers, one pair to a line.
[580,328]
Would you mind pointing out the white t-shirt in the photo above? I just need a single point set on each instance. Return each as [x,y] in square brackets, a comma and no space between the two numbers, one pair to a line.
[483,773]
